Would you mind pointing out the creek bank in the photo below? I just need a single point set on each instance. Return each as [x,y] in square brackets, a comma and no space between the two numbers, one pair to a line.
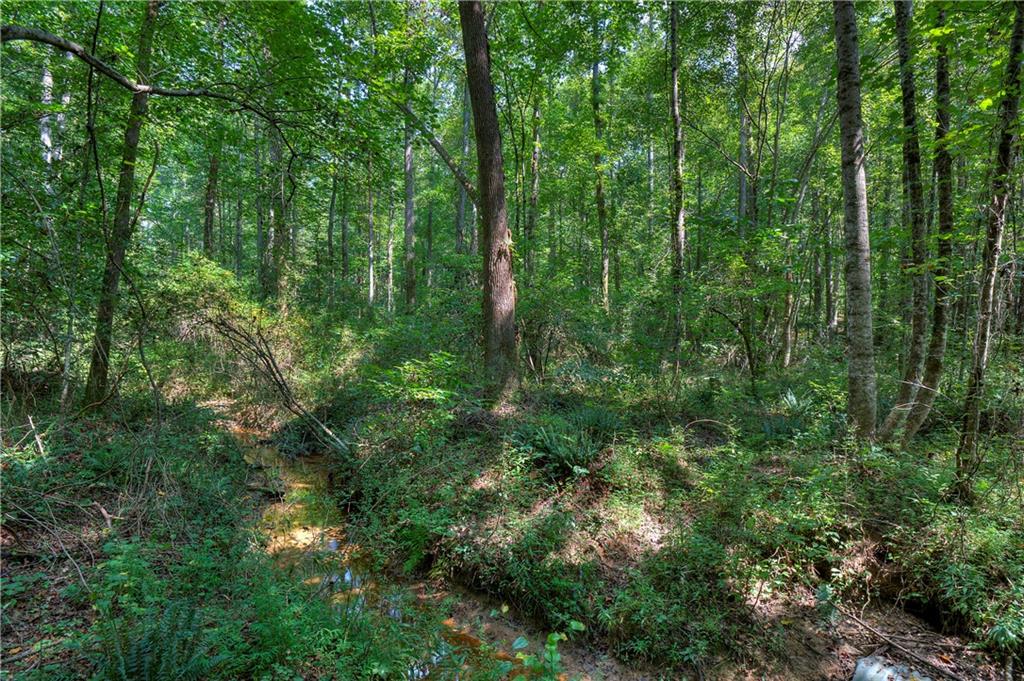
[307,536]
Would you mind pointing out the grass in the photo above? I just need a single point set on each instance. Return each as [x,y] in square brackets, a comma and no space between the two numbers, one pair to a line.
[180,583]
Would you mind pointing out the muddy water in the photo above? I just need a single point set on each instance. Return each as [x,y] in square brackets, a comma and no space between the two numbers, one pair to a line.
[307,538]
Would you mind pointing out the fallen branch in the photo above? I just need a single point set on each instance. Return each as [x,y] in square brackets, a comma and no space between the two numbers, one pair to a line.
[899,647]
[253,347]
[32,650]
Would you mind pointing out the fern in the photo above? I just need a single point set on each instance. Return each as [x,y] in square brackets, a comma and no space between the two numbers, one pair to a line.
[171,648]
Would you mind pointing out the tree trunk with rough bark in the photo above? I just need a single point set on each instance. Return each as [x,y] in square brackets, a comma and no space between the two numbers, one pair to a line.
[210,205]
[531,214]
[371,275]
[344,226]
[678,233]
[929,388]
[331,215]
[913,194]
[409,234]
[460,212]
[602,210]
[279,237]
[120,236]
[499,299]
[861,404]
[238,236]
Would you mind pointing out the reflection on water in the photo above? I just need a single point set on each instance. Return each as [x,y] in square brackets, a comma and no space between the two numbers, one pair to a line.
[302,531]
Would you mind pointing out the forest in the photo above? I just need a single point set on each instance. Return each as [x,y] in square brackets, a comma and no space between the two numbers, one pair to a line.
[554,340]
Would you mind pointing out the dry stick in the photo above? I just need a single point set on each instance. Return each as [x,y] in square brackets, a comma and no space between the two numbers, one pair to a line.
[893,643]
[39,443]
[35,648]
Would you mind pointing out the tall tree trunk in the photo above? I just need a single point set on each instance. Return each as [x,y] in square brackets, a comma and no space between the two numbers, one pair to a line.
[743,193]
[944,189]
[238,236]
[344,227]
[967,460]
[429,267]
[914,197]
[409,240]
[210,205]
[499,299]
[390,289]
[293,240]
[120,236]
[861,405]
[371,277]
[279,241]
[678,210]
[261,235]
[52,142]
[602,210]
[831,309]
[331,214]
[531,215]
[460,212]
[650,200]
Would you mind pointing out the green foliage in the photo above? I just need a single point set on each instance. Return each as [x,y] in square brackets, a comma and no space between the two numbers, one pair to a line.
[169,648]
[567,446]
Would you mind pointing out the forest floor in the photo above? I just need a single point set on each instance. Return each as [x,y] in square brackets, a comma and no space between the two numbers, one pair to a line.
[697,535]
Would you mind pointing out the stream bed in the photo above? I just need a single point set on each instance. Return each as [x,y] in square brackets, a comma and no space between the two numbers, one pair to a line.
[307,538]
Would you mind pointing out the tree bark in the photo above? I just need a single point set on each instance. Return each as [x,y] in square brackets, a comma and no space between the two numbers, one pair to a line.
[371,277]
[678,209]
[331,215]
[929,388]
[261,232]
[531,215]
[390,251]
[460,213]
[238,236]
[409,236]
[499,294]
[914,197]
[602,210]
[861,405]
[96,388]
[967,460]
[279,237]
[344,227]
[210,205]
[743,192]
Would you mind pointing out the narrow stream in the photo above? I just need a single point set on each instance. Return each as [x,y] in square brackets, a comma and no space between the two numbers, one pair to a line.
[307,538]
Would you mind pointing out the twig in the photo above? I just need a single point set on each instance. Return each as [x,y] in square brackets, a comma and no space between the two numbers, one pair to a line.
[32,650]
[39,442]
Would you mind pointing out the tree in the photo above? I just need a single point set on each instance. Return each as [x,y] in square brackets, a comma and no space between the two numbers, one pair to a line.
[929,387]
[409,234]
[914,198]
[859,331]
[599,198]
[499,300]
[967,459]
[531,213]
[210,205]
[678,234]
[460,211]
[96,387]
